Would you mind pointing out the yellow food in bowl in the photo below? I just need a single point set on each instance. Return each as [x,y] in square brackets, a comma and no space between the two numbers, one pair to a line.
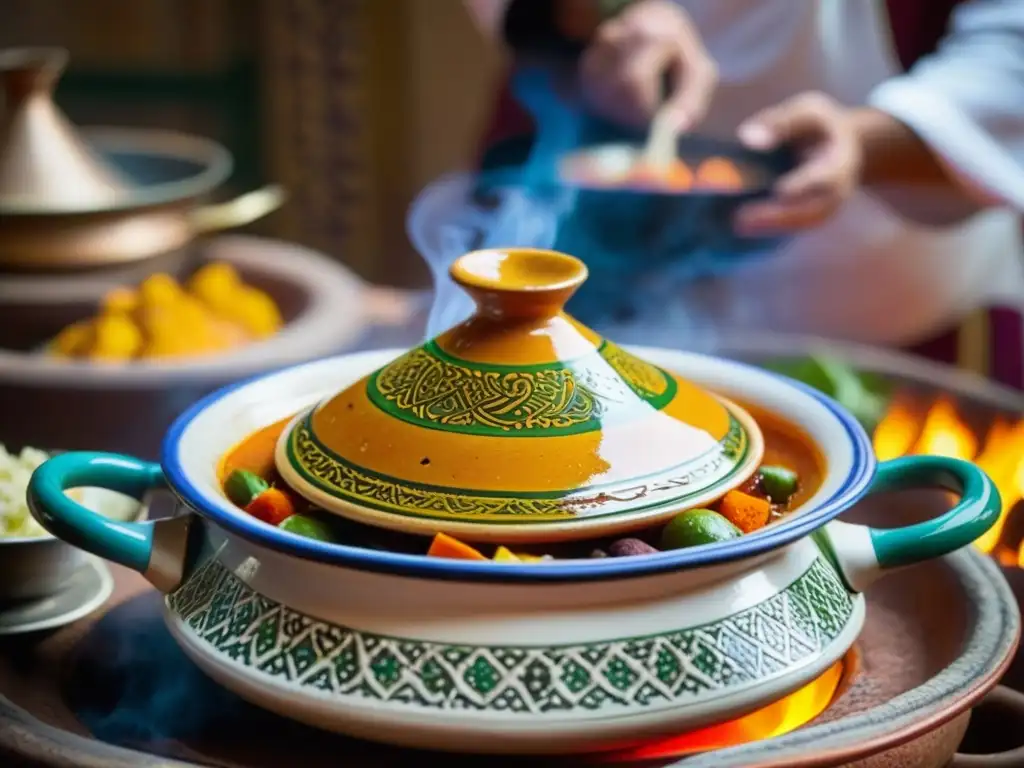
[213,312]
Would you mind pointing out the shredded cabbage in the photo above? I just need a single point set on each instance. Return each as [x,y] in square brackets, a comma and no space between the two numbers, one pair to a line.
[15,471]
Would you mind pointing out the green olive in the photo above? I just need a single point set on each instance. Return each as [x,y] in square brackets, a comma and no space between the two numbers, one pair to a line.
[779,483]
[695,527]
[243,486]
[310,527]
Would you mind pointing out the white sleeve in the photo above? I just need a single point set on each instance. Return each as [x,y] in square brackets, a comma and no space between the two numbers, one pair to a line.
[967,100]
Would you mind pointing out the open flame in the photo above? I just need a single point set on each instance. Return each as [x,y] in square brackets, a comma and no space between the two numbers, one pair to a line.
[778,718]
[910,426]
[942,431]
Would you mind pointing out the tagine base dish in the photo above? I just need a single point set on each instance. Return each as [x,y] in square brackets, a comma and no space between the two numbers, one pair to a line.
[115,690]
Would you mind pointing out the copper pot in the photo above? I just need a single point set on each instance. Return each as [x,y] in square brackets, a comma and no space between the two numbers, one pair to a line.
[107,196]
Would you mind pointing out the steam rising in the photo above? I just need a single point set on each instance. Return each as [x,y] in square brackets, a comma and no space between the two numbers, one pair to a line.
[149,692]
[451,217]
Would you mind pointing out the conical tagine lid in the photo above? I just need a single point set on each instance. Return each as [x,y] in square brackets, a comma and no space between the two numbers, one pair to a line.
[45,168]
[519,425]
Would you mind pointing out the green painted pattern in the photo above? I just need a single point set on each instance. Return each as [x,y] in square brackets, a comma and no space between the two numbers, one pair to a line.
[321,467]
[782,633]
[430,388]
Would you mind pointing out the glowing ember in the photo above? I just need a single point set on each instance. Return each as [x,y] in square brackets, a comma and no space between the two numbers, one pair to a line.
[785,715]
[942,431]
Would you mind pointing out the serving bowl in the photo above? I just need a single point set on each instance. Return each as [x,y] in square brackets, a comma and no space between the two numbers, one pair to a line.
[35,567]
[74,404]
[478,655]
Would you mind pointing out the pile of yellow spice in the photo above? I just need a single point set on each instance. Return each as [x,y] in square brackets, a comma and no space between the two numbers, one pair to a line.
[212,312]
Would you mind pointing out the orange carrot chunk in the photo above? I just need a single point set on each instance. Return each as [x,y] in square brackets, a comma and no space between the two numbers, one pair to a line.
[453,549]
[272,506]
[746,512]
[679,177]
[718,173]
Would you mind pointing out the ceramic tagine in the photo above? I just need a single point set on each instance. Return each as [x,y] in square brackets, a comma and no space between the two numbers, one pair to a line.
[519,425]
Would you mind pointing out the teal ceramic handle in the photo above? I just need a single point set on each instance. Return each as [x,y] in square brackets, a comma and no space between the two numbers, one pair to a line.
[976,512]
[863,554]
[130,544]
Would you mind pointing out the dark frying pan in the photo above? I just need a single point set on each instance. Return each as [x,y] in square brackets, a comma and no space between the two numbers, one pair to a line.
[624,233]
[652,225]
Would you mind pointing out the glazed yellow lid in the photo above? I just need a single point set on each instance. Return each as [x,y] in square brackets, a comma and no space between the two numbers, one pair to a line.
[519,425]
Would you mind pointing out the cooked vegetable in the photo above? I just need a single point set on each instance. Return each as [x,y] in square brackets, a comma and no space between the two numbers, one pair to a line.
[115,338]
[15,519]
[695,527]
[221,289]
[15,471]
[718,173]
[779,483]
[862,394]
[630,548]
[504,555]
[453,549]
[272,506]
[215,312]
[678,176]
[746,512]
[242,487]
[524,558]
[713,174]
[310,527]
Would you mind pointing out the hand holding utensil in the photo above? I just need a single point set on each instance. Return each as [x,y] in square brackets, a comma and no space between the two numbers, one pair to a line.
[622,70]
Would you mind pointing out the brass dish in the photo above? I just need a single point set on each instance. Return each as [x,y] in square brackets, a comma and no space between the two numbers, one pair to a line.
[105,196]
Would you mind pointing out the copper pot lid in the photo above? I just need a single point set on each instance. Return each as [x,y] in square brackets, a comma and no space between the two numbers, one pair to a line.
[47,167]
[519,425]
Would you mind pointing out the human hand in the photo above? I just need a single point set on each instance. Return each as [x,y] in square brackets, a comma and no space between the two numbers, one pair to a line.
[623,70]
[831,157]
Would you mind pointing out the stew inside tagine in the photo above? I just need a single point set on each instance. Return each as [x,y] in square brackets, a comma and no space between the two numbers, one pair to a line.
[791,472]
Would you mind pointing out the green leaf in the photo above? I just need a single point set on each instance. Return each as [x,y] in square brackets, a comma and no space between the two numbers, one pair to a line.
[864,395]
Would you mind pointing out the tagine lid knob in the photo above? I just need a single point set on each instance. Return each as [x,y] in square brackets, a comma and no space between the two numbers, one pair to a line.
[518,425]
[45,167]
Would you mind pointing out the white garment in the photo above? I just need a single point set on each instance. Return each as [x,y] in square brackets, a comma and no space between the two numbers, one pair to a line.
[870,275]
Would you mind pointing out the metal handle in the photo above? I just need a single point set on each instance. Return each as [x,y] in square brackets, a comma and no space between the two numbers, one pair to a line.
[1007,706]
[243,210]
[391,308]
